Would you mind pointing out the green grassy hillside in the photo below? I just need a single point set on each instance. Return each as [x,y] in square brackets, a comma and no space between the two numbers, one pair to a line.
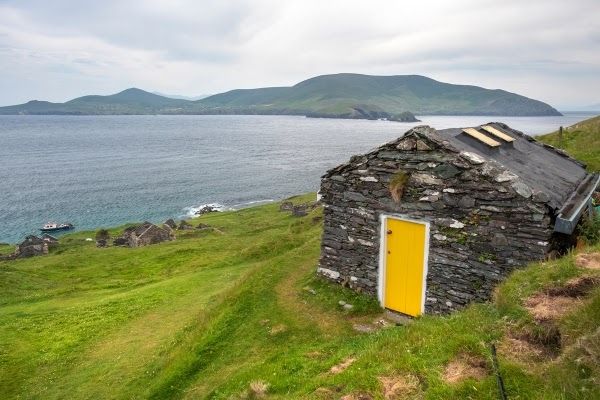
[338,95]
[581,141]
[129,101]
[236,312]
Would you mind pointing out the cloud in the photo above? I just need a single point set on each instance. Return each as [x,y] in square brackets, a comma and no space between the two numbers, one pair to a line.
[57,50]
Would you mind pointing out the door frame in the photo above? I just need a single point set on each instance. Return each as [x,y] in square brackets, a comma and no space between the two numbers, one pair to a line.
[381,272]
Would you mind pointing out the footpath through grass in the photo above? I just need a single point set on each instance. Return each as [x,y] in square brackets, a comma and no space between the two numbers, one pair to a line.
[238,313]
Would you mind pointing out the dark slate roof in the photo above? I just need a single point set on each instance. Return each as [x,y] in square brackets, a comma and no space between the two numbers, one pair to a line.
[141,229]
[541,167]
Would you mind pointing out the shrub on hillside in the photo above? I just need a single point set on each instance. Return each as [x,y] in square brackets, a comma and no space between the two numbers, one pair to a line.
[589,229]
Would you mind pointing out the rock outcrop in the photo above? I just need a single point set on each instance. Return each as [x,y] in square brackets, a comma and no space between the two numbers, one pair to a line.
[206,210]
[171,223]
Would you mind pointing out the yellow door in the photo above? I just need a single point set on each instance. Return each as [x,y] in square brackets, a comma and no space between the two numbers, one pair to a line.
[404,266]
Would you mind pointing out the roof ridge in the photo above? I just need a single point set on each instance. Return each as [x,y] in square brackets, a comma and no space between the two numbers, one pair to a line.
[420,129]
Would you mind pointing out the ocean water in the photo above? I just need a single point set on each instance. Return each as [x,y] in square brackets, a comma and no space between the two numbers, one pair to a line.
[102,171]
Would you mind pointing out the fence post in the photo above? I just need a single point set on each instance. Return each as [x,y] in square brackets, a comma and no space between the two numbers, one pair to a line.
[560,137]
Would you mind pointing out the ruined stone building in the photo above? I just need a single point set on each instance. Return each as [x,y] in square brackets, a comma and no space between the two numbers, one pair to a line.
[435,219]
[144,234]
[31,246]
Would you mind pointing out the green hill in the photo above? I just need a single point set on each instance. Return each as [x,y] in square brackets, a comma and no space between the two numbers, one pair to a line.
[339,93]
[333,96]
[129,101]
[581,140]
[237,312]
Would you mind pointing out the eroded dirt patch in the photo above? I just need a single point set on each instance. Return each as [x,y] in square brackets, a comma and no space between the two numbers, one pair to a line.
[576,287]
[277,329]
[589,260]
[399,386]
[557,301]
[543,338]
[341,367]
[521,349]
[387,319]
[545,307]
[466,366]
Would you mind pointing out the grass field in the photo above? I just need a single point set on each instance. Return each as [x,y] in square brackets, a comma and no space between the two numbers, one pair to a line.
[238,313]
[581,141]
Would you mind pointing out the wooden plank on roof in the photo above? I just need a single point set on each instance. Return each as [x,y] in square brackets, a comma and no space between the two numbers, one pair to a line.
[475,134]
[498,133]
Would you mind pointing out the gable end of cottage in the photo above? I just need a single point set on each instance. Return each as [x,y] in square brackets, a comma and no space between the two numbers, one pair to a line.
[484,221]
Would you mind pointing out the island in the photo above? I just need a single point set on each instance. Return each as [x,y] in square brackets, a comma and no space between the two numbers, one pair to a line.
[353,96]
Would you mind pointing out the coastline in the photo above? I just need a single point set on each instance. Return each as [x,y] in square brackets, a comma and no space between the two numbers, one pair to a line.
[117,169]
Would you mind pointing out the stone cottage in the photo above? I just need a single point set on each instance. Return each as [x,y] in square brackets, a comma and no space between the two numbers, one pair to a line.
[31,246]
[435,219]
[144,234]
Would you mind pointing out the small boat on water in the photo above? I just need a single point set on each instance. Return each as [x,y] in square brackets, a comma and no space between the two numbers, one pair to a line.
[53,227]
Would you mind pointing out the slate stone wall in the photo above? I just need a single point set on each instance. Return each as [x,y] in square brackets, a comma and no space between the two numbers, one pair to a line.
[484,220]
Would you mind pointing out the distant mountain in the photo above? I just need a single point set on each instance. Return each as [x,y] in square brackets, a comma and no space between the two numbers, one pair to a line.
[129,101]
[181,97]
[333,96]
[340,93]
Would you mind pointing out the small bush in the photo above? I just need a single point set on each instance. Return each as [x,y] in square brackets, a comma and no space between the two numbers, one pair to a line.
[102,234]
[397,185]
[589,229]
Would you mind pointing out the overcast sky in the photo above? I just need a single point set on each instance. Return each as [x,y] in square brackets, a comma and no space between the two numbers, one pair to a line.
[57,50]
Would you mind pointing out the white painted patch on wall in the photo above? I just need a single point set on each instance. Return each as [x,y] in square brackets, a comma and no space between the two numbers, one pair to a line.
[457,225]
[328,273]
[365,242]
[360,211]
[368,179]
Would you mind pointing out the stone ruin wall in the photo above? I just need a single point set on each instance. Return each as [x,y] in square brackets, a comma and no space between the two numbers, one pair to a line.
[484,220]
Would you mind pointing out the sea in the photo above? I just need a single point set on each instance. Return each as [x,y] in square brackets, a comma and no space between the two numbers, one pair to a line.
[104,171]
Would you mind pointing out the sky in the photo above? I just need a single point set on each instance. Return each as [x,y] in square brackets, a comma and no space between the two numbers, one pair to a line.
[57,50]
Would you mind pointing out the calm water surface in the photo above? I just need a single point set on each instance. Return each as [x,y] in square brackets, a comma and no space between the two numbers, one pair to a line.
[101,171]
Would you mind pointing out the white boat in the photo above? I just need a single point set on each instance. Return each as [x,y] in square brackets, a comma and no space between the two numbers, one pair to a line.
[53,226]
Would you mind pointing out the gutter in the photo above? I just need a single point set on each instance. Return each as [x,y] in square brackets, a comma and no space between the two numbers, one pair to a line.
[570,213]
